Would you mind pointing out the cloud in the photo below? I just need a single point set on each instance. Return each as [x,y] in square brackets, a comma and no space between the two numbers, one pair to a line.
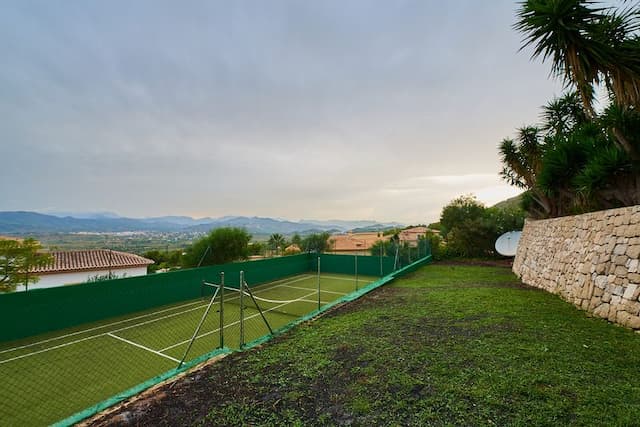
[294,109]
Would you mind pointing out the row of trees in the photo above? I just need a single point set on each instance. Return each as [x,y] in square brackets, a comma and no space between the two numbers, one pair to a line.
[315,242]
[224,245]
[578,159]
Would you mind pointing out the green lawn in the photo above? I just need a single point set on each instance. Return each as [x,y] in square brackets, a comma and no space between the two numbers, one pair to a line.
[50,377]
[447,345]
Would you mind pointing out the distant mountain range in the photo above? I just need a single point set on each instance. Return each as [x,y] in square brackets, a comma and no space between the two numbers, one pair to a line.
[24,222]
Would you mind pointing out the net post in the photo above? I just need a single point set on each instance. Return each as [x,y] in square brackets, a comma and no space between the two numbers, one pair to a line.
[258,307]
[195,333]
[221,326]
[241,309]
[356,271]
[319,303]
[381,246]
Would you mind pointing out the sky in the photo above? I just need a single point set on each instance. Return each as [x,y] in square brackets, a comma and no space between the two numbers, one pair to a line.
[290,109]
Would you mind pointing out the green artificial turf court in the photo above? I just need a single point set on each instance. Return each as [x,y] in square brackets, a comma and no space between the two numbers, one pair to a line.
[50,377]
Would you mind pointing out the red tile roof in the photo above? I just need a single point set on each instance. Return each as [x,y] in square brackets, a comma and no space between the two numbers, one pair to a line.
[354,241]
[411,234]
[95,259]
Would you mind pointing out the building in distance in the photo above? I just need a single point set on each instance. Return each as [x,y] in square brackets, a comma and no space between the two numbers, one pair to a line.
[73,267]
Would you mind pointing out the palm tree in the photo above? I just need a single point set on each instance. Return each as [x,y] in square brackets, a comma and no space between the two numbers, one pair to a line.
[276,241]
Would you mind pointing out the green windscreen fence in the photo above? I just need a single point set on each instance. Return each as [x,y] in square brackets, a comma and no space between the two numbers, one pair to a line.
[42,310]
[63,350]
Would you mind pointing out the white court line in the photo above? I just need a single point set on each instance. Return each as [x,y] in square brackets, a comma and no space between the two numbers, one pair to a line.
[98,335]
[50,348]
[135,344]
[235,323]
[315,301]
[94,328]
[341,278]
[119,322]
[138,324]
[308,289]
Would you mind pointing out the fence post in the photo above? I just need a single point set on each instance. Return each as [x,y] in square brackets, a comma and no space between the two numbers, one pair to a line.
[241,309]
[319,303]
[356,270]
[221,326]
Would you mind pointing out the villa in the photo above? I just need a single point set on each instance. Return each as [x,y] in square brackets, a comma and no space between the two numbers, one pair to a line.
[72,267]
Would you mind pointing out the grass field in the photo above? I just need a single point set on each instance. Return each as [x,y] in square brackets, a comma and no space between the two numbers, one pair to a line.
[444,346]
[50,377]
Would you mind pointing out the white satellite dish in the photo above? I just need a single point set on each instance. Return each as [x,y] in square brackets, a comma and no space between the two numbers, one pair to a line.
[507,244]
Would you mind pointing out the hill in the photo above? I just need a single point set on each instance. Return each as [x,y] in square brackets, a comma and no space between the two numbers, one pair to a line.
[24,222]
[511,203]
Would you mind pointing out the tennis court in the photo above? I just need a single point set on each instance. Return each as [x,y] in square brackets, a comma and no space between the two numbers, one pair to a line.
[50,377]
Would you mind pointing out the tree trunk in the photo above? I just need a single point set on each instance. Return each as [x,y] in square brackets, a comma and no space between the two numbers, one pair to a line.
[624,144]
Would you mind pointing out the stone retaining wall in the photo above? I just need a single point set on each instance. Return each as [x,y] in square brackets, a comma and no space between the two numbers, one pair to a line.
[590,260]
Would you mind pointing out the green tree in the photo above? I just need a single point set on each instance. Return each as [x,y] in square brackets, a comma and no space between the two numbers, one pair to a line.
[380,248]
[222,245]
[18,259]
[459,209]
[316,242]
[164,259]
[472,237]
[474,228]
[256,248]
[296,240]
[276,242]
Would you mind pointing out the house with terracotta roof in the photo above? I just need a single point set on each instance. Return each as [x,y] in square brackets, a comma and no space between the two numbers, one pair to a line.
[412,235]
[292,249]
[72,267]
[354,243]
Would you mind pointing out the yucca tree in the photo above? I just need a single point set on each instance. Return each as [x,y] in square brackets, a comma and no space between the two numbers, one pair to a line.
[565,157]
[522,160]
[588,46]
[562,115]
[570,164]
[561,30]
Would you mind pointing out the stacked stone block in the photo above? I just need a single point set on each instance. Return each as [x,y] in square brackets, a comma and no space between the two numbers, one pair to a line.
[590,260]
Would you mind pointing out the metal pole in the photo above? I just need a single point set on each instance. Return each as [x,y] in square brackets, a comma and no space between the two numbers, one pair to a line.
[356,272]
[319,303]
[259,309]
[195,333]
[381,246]
[221,326]
[241,309]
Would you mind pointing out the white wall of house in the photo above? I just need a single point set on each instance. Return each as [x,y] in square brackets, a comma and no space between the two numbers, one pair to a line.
[75,277]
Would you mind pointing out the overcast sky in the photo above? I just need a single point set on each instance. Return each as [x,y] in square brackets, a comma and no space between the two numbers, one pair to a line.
[297,109]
